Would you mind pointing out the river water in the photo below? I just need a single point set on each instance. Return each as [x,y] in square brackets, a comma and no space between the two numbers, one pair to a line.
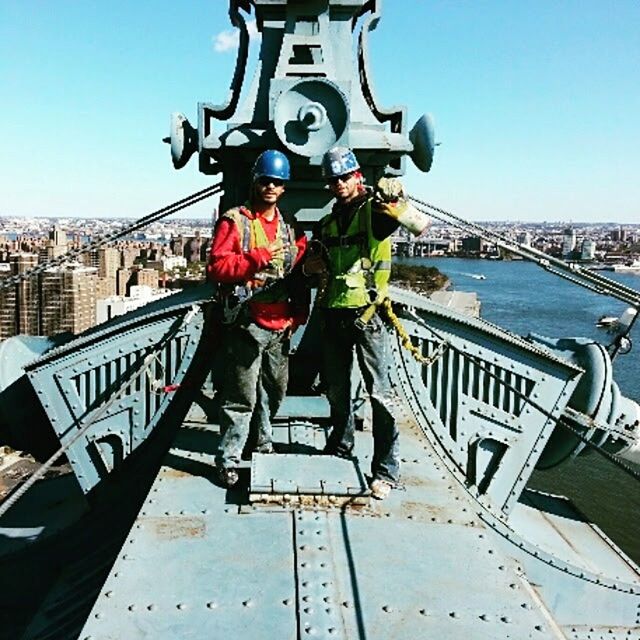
[522,297]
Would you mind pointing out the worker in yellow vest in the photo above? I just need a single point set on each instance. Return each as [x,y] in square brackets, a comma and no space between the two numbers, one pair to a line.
[356,243]
[253,249]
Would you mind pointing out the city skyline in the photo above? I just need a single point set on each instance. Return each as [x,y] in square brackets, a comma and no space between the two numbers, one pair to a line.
[535,106]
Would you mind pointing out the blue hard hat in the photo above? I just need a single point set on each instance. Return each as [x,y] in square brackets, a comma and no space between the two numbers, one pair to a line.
[272,164]
[338,162]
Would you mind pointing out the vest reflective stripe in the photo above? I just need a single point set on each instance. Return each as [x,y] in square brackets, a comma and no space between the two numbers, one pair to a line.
[359,270]
[253,236]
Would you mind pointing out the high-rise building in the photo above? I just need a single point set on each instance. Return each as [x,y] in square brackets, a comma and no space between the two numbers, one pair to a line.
[7,305]
[129,255]
[568,242]
[108,262]
[588,250]
[123,278]
[67,299]
[19,303]
[26,294]
[524,239]
[150,277]
[57,245]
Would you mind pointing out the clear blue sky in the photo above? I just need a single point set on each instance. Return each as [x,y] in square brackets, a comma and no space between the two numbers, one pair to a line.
[537,104]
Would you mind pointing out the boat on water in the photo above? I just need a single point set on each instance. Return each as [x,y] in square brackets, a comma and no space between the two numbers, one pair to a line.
[631,267]
[137,540]
[478,276]
[607,321]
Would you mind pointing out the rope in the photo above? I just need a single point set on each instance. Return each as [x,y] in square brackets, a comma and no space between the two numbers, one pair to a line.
[111,237]
[405,339]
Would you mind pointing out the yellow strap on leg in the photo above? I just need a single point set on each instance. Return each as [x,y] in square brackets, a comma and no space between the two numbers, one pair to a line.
[366,315]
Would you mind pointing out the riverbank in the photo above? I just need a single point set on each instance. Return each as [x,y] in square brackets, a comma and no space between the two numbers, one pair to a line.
[418,278]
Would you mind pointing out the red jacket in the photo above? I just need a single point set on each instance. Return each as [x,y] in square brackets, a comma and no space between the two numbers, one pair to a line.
[230,264]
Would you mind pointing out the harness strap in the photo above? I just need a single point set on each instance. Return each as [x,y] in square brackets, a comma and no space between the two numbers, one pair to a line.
[345,241]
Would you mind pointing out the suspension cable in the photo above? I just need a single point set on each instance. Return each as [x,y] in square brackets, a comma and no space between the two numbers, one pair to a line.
[113,236]
[573,272]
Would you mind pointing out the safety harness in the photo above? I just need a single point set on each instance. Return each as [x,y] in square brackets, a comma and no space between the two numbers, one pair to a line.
[264,286]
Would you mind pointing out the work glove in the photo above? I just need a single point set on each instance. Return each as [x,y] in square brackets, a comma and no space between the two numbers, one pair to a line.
[388,198]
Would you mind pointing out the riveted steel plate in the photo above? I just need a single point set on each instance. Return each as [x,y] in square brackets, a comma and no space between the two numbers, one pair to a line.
[319,594]
[553,524]
[193,567]
[304,474]
[414,580]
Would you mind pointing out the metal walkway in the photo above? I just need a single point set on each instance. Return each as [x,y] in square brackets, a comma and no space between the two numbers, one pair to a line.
[316,569]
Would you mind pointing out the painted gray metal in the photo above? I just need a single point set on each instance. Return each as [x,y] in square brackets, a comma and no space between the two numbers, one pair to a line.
[307,95]
[473,398]
[300,475]
[116,383]
[428,562]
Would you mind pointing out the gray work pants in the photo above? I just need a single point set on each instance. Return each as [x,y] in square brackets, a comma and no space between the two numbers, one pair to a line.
[255,383]
[340,338]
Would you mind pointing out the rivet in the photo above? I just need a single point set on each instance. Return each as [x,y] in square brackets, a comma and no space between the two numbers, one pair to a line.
[247,603]
[108,594]
[286,602]
[505,619]
[132,607]
[454,614]
[151,607]
[181,606]
[387,608]
[98,616]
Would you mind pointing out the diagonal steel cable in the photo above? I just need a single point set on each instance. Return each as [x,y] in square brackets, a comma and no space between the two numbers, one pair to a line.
[115,235]
[140,369]
[570,271]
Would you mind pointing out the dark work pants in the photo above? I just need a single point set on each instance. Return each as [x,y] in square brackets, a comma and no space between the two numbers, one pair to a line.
[255,383]
[340,338]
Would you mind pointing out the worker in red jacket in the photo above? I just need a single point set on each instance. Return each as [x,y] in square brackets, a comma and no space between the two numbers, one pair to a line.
[253,249]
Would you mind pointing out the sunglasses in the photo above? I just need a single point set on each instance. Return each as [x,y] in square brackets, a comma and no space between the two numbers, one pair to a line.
[265,181]
[344,178]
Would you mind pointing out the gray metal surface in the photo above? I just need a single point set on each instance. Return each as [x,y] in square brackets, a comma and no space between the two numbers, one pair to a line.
[308,95]
[192,564]
[428,562]
[105,393]
[301,474]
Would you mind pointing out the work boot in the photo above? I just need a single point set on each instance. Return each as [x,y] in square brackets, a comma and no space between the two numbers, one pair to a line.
[228,477]
[380,489]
